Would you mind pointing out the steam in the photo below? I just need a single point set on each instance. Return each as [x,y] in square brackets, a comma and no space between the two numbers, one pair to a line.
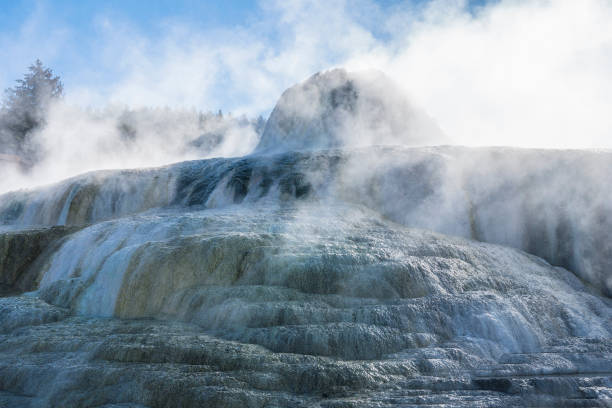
[518,73]
[76,140]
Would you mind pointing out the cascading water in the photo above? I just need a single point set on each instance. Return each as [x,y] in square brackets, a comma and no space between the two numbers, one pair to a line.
[313,277]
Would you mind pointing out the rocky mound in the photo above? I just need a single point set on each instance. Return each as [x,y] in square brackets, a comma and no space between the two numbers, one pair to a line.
[346,109]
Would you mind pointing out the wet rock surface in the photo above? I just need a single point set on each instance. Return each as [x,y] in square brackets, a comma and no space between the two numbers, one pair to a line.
[19,251]
[313,279]
[80,361]
[553,204]
[299,304]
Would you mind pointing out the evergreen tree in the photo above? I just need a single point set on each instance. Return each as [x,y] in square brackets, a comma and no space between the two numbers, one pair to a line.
[25,107]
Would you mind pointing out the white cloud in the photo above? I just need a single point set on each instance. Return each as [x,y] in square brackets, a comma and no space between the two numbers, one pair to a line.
[527,73]
[517,73]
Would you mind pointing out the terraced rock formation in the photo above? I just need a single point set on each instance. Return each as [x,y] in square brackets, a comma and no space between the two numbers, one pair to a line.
[344,277]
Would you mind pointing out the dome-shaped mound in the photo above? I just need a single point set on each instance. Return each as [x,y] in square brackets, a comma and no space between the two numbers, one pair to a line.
[337,108]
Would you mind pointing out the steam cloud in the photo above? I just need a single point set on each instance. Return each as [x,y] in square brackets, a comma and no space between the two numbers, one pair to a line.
[530,74]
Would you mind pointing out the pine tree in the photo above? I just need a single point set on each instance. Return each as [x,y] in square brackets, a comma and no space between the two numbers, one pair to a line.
[25,107]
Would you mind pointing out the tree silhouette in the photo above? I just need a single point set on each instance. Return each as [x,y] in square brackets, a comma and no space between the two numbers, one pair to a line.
[25,107]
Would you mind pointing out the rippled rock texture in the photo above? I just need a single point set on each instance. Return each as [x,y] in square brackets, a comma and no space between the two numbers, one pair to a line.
[297,303]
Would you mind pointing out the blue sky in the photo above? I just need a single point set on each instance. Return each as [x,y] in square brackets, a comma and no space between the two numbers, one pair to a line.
[76,26]
[86,41]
